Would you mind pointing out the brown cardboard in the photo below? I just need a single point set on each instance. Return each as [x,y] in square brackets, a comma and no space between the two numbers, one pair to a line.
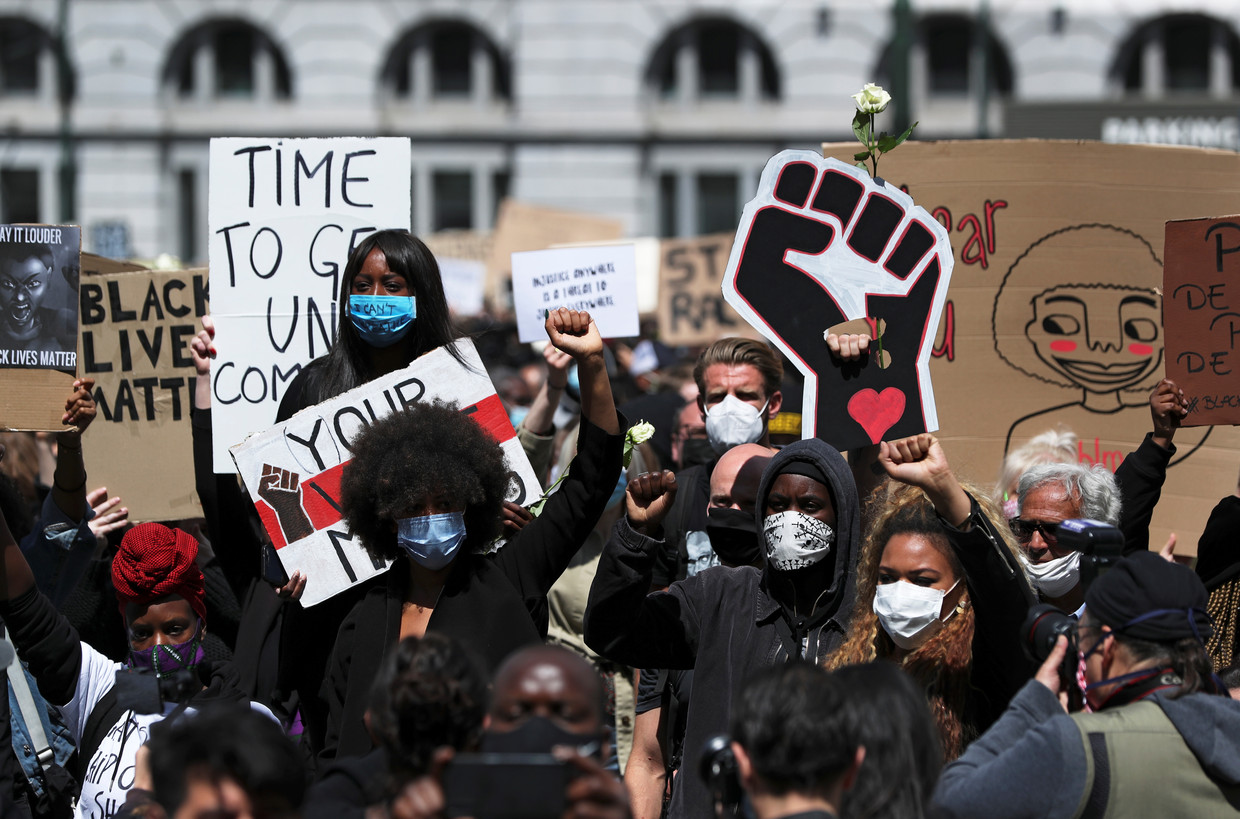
[1001,199]
[136,347]
[691,306]
[1200,316]
[34,399]
[460,244]
[522,226]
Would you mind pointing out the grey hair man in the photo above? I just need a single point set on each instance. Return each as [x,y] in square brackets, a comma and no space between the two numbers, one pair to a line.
[1049,494]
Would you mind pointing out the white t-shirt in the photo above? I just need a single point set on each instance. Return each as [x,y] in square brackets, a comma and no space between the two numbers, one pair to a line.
[111,770]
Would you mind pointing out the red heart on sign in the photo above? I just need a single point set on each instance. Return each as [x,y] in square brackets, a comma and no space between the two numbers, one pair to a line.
[876,412]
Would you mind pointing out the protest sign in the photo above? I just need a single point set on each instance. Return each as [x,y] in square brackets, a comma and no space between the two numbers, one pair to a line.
[824,243]
[39,269]
[462,256]
[284,216]
[600,279]
[293,470]
[136,326]
[1201,316]
[521,226]
[691,308]
[1060,244]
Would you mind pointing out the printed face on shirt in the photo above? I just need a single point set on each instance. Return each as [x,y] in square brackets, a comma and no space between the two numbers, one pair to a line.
[170,622]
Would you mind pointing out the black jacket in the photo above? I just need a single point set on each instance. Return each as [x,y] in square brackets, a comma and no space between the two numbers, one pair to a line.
[493,604]
[724,623]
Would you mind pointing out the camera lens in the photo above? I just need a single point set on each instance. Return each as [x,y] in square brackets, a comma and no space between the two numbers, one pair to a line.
[1043,625]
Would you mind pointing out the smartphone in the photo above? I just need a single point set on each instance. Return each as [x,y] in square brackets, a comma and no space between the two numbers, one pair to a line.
[506,786]
[273,569]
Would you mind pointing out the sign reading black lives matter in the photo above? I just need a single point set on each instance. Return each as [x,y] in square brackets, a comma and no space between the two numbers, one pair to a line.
[39,269]
[822,244]
[284,216]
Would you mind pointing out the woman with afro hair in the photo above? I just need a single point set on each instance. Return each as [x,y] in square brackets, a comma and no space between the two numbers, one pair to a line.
[425,490]
[940,591]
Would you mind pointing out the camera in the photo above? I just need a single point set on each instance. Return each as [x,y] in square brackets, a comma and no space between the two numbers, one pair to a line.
[506,786]
[722,775]
[1100,544]
[144,693]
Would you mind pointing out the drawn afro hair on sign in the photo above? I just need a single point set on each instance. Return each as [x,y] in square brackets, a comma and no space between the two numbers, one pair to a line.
[1080,308]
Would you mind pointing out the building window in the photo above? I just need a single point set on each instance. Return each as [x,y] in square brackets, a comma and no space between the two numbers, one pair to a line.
[696,204]
[446,60]
[713,59]
[1179,53]
[28,60]
[19,196]
[453,193]
[187,214]
[230,59]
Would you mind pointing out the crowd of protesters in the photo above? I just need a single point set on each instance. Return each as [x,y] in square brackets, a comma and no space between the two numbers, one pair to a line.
[715,619]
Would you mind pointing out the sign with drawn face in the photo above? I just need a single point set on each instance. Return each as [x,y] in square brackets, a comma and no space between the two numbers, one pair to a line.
[293,470]
[822,244]
[1053,320]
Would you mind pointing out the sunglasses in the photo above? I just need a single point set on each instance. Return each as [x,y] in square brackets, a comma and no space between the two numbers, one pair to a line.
[1024,529]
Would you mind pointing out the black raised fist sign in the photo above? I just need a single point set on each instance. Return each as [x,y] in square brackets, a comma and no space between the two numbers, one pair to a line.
[821,244]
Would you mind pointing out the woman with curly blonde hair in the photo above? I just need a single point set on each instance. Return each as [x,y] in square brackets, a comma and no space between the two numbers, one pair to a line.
[940,591]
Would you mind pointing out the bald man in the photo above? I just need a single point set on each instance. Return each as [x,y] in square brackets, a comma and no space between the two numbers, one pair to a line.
[730,521]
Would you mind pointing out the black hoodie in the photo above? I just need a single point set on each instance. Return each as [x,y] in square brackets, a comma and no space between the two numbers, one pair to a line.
[722,622]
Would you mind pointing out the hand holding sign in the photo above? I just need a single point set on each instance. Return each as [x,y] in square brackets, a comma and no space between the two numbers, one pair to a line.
[823,244]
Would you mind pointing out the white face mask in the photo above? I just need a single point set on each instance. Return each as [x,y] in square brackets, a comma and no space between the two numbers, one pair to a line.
[794,540]
[732,422]
[1056,577]
[910,613]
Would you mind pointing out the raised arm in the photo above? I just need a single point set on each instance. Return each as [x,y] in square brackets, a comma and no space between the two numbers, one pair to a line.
[919,461]
[575,333]
[69,485]
[1141,474]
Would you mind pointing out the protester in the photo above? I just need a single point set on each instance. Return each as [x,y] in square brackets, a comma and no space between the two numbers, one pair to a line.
[1055,446]
[1163,739]
[1218,566]
[940,591]
[425,490]
[738,394]
[795,752]
[227,761]
[663,694]
[727,623]
[429,696]
[888,716]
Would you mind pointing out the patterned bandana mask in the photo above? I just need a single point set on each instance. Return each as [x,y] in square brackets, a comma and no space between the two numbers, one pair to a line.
[794,540]
[166,660]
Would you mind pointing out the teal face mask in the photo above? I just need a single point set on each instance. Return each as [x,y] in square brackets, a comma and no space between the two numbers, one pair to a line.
[381,321]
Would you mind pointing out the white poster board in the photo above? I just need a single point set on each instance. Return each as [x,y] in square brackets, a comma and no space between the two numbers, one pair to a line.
[601,280]
[293,470]
[284,216]
[464,283]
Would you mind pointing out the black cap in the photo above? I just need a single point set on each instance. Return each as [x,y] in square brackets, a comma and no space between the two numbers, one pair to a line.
[1149,598]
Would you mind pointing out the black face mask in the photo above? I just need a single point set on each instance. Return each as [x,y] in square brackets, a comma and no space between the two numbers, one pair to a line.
[538,735]
[734,536]
[696,452]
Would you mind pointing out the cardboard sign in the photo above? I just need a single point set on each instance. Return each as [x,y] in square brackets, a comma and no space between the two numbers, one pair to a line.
[136,326]
[1201,316]
[284,215]
[521,227]
[293,470]
[39,269]
[601,280]
[691,308]
[823,243]
[1076,227]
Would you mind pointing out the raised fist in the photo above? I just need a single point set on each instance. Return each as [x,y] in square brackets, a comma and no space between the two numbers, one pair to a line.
[823,244]
[280,488]
[648,499]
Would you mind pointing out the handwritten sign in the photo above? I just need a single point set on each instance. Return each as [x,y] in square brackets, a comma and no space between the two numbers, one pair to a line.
[692,310]
[136,327]
[284,216]
[601,280]
[39,268]
[293,470]
[823,243]
[1201,316]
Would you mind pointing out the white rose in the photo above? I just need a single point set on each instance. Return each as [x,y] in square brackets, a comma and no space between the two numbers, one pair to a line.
[872,99]
[640,432]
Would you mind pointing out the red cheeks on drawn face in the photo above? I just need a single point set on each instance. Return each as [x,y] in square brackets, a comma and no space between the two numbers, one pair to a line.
[1063,346]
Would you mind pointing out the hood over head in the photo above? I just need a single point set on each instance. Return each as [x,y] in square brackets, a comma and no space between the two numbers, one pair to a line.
[816,457]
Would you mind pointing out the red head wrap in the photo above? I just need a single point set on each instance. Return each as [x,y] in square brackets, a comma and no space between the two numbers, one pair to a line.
[155,561]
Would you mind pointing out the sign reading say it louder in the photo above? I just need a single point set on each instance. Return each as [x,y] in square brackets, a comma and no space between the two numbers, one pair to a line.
[293,470]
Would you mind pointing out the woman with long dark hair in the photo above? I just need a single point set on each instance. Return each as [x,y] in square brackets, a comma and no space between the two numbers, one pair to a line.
[940,591]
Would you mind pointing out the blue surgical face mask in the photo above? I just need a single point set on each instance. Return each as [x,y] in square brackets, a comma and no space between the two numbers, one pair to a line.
[432,541]
[381,321]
